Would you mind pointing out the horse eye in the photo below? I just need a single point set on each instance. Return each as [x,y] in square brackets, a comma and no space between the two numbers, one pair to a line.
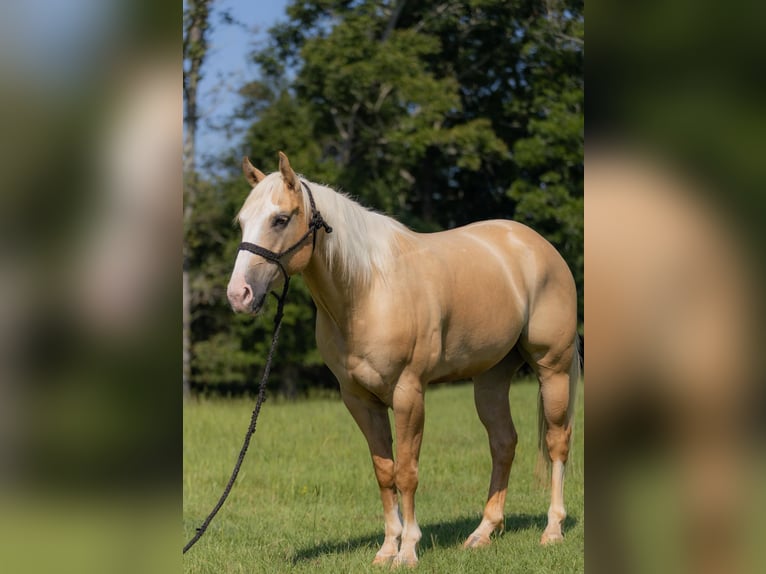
[280,220]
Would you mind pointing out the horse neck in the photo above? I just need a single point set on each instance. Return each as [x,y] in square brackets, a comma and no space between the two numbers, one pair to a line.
[337,276]
[331,292]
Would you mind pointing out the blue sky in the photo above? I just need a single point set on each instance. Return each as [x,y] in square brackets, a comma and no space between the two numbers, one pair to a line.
[227,67]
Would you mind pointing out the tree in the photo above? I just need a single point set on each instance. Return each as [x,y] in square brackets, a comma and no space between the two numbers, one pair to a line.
[437,112]
[195,25]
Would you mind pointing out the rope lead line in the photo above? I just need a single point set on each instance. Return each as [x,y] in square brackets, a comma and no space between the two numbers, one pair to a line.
[253,419]
[316,223]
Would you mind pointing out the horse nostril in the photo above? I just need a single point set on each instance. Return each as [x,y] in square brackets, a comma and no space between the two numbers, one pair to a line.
[247,296]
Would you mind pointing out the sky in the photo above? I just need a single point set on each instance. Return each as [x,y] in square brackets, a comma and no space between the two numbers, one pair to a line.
[227,67]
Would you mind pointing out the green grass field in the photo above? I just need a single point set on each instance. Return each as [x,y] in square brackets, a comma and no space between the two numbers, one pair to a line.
[306,499]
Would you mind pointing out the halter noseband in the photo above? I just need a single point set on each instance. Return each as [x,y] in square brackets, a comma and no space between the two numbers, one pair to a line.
[315,223]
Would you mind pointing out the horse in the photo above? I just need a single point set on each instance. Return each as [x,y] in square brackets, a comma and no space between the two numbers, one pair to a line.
[398,310]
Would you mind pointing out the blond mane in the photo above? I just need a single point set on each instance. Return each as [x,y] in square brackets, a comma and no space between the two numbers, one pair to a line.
[362,241]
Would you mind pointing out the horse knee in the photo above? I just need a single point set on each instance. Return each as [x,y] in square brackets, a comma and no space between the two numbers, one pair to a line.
[384,471]
[503,448]
[406,478]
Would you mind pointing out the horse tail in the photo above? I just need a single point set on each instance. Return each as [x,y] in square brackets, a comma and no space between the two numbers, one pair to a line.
[543,456]
[574,377]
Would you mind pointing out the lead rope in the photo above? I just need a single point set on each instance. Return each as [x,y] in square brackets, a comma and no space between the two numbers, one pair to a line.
[317,222]
[253,419]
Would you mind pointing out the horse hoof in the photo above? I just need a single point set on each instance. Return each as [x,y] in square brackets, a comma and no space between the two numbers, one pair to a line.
[406,561]
[476,541]
[383,560]
[551,538]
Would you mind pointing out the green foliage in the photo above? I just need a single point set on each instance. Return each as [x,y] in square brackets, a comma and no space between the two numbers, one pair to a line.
[437,113]
[306,499]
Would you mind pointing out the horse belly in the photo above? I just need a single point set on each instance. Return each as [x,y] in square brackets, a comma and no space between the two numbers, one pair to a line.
[476,330]
[484,310]
[472,349]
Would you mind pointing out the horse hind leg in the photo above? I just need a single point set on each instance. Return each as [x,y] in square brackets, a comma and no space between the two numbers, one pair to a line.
[558,381]
[492,405]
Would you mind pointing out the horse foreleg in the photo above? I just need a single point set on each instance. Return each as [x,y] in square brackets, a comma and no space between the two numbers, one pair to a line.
[371,416]
[409,415]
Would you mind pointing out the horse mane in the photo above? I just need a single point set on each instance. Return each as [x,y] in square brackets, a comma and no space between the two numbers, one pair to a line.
[362,241]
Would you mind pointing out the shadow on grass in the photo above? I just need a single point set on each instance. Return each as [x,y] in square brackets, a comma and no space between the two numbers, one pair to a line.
[440,534]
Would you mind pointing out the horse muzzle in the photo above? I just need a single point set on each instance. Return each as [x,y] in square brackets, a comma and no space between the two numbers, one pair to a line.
[243,298]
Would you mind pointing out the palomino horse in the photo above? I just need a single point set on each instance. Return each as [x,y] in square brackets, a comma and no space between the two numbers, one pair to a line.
[397,310]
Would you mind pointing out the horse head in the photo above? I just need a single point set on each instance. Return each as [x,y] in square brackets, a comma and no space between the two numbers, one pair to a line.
[276,235]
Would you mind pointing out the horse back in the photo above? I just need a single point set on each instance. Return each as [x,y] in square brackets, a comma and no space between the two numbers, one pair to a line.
[474,291]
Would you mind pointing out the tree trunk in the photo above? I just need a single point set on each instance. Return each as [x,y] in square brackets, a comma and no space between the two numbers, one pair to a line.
[427,188]
[186,331]
[195,49]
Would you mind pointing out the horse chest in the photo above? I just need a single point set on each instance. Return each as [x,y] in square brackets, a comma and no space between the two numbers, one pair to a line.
[371,358]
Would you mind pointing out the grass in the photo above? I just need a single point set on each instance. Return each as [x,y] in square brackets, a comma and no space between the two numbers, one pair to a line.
[306,499]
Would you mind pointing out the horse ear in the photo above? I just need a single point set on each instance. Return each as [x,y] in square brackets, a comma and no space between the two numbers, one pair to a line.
[287,172]
[253,175]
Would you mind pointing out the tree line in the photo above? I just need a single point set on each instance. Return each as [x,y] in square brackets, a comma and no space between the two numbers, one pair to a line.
[438,113]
